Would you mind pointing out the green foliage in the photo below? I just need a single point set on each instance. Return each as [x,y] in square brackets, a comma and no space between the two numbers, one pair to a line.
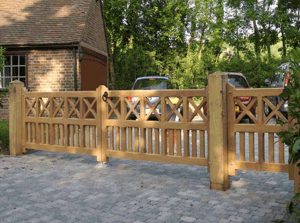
[291,136]
[4,136]
[1,57]
[187,40]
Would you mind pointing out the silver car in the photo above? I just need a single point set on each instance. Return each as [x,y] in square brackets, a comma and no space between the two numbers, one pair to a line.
[150,83]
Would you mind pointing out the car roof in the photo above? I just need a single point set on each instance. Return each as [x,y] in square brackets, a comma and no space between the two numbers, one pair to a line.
[152,77]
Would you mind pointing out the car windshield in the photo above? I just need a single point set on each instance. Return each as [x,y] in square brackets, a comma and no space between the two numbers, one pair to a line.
[238,81]
[151,83]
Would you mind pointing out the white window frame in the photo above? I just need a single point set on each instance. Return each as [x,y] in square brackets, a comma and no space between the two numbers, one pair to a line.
[12,76]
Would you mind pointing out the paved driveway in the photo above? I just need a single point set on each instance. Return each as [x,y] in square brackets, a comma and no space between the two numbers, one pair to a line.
[52,187]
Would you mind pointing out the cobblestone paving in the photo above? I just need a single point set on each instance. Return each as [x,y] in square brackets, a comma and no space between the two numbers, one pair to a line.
[52,187]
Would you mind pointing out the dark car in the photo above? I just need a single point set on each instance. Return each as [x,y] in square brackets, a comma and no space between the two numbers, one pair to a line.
[279,80]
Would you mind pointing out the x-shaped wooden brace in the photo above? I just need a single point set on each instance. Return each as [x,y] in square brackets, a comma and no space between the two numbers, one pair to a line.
[43,106]
[197,109]
[31,106]
[73,108]
[58,105]
[113,107]
[89,107]
[275,110]
[152,108]
[245,110]
[174,108]
[132,108]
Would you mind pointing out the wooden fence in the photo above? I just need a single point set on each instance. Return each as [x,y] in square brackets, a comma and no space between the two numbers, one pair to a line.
[176,126]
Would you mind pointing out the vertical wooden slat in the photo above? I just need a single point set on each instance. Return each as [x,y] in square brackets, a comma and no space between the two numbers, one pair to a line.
[251,147]
[156,133]
[82,127]
[56,134]
[171,140]
[242,146]
[123,138]
[163,130]
[129,139]
[202,144]
[281,151]
[178,143]
[123,129]
[87,136]
[194,143]
[143,130]
[29,132]
[71,143]
[93,136]
[51,125]
[42,133]
[117,129]
[65,136]
[33,132]
[271,147]
[77,136]
[150,150]
[61,135]
[261,141]
[142,140]
[186,143]
[47,133]
[111,137]
[136,139]
[261,148]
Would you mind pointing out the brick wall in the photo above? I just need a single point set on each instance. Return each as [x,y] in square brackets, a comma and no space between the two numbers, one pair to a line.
[52,70]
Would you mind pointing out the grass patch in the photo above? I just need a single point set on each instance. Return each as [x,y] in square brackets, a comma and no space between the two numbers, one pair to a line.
[4,137]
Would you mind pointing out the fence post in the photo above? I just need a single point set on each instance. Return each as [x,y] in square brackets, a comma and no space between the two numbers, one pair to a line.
[217,131]
[16,89]
[101,128]
[296,177]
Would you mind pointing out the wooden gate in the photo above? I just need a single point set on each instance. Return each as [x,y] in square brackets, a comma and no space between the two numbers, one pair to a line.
[178,126]
[157,125]
[253,116]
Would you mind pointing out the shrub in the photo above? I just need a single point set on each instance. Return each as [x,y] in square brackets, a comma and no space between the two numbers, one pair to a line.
[291,136]
[4,136]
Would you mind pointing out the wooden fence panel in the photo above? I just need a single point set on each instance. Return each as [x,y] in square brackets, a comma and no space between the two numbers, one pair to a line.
[165,125]
[252,123]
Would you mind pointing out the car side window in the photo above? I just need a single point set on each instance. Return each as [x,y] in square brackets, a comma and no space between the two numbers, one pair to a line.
[238,81]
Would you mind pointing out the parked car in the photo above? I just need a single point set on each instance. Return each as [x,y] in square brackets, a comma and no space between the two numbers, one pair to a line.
[150,83]
[279,80]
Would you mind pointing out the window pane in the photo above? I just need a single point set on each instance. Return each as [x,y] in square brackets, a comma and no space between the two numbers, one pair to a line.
[7,60]
[6,82]
[15,78]
[22,71]
[22,60]
[22,79]
[15,71]
[7,71]
[15,60]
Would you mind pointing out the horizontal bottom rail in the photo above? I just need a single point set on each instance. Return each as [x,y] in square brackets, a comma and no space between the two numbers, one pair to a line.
[64,149]
[269,167]
[157,158]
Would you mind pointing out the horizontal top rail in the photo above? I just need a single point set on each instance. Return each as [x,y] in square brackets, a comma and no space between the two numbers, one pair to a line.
[62,94]
[152,93]
[255,91]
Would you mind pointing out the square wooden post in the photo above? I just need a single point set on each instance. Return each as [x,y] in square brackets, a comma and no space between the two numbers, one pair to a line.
[217,131]
[16,89]
[296,177]
[101,128]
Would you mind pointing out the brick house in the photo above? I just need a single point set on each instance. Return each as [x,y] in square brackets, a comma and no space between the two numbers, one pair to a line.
[53,45]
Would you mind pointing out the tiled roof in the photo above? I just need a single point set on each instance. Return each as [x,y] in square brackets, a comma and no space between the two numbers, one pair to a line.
[38,22]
